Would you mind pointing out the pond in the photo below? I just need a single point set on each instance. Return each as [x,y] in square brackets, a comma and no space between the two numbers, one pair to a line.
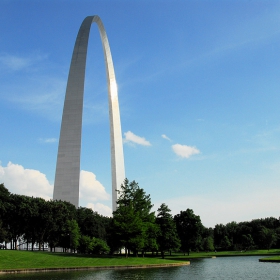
[217,268]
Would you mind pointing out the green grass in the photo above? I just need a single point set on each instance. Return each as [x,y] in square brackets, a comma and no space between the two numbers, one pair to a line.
[271,259]
[11,259]
[194,255]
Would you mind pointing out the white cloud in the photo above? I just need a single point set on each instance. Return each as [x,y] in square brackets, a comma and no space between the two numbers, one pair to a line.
[165,137]
[23,181]
[48,140]
[16,63]
[100,209]
[185,151]
[30,182]
[91,189]
[42,94]
[131,137]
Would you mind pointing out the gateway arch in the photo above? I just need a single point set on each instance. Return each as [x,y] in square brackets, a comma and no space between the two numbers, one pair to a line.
[67,176]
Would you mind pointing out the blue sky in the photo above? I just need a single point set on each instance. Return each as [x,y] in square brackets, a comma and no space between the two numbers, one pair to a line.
[199,100]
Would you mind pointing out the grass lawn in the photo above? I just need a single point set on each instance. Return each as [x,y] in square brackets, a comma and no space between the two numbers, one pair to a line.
[271,259]
[224,254]
[11,259]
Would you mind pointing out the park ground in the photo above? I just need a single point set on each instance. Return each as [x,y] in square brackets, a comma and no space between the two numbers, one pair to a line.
[28,260]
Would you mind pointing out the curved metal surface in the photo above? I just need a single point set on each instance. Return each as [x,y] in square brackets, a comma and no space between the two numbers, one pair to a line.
[66,186]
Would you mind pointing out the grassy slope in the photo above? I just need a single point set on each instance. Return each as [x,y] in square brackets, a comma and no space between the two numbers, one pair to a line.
[225,254]
[10,259]
[271,259]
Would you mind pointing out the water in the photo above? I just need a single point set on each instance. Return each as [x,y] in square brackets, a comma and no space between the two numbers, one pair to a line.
[228,268]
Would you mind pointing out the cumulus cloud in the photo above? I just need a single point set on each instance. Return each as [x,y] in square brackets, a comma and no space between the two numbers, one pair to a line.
[30,182]
[100,209]
[184,151]
[132,138]
[23,181]
[165,137]
[91,191]
[90,188]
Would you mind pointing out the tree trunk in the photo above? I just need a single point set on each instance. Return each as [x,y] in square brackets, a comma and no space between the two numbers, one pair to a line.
[162,254]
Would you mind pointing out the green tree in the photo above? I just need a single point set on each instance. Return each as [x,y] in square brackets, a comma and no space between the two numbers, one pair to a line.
[99,246]
[221,240]
[133,217]
[73,232]
[92,245]
[225,243]
[4,213]
[152,232]
[91,223]
[247,241]
[42,220]
[19,211]
[167,237]
[189,229]
[85,244]
[208,244]
[61,212]
[268,237]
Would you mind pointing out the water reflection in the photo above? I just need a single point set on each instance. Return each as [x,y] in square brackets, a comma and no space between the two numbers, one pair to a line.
[220,268]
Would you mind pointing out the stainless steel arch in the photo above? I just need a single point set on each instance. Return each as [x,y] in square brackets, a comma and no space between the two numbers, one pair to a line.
[66,186]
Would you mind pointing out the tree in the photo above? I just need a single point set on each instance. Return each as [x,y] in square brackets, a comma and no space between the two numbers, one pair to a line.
[85,244]
[221,240]
[61,212]
[92,245]
[167,236]
[225,243]
[4,213]
[19,211]
[99,246]
[208,244]
[91,223]
[268,237]
[152,232]
[43,220]
[73,233]
[189,229]
[247,241]
[132,219]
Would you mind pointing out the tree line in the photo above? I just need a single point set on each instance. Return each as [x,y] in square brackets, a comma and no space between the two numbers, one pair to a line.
[134,227]
[35,221]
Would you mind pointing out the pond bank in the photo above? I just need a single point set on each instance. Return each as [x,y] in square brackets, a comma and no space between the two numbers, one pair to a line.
[274,260]
[15,271]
